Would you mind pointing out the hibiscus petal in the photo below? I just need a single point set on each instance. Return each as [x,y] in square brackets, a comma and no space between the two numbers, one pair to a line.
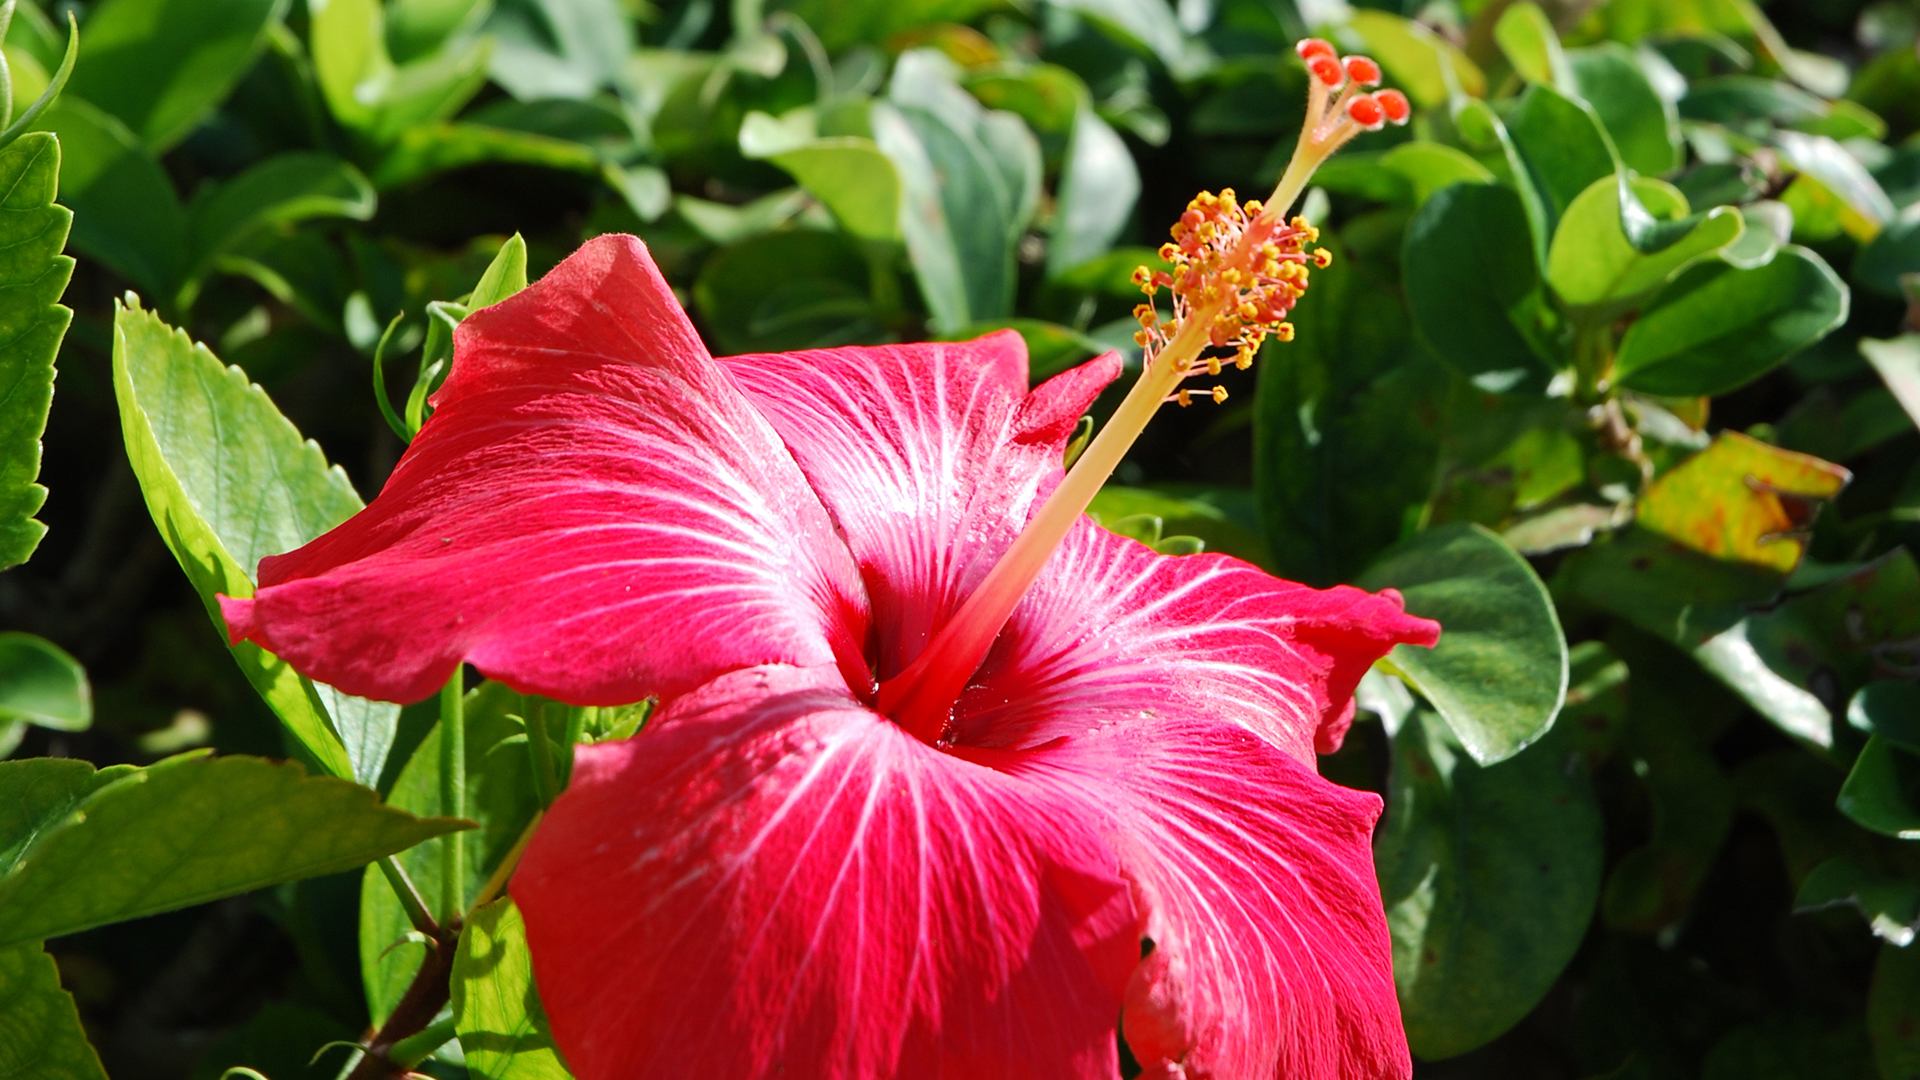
[1254,880]
[930,458]
[1112,631]
[774,881]
[593,512]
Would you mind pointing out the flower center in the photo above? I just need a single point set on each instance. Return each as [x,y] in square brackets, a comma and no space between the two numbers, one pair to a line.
[1237,272]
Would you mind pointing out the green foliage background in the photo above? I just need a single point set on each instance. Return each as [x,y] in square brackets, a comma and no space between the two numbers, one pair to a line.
[1616,372]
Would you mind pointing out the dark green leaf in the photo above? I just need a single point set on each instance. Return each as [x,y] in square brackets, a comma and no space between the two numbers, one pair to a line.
[1890,905]
[1644,127]
[1898,363]
[1471,282]
[1564,147]
[1715,328]
[499,795]
[33,274]
[1893,1011]
[428,150]
[1499,674]
[1791,1046]
[193,829]
[161,66]
[41,684]
[797,289]
[1203,514]
[126,213]
[40,1033]
[229,481]
[847,173]
[1489,875]
[1882,791]
[496,1008]
[281,190]
[1895,251]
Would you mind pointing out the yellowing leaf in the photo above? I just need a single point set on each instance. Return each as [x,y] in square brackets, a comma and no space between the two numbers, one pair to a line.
[1742,500]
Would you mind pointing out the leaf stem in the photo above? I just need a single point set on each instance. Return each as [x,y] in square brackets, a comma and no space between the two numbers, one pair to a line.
[453,795]
[417,1047]
[410,898]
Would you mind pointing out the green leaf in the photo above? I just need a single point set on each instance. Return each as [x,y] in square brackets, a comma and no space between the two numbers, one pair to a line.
[1221,518]
[430,149]
[1471,283]
[49,87]
[500,795]
[33,274]
[371,96]
[161,66]
[1715,328]
[281,190]
[41,684]
[1825,162]
[1890,904]
[496,1007]
[843,24]
[1489,875]
[1527,38]
[1564,148]
[1430,167]
[126,213]
[503,277]
[1097,191]
[847,173]
[39,794]
[1149,25]
[229,481]
[1591,260]
[1499,674]
[40,1033]
[193,829]
[1416,59]
[1898,363]
[559,48]
[797,289]
[1882,791]
[417,27]
[1894,252]
[1051,348]
[1643,125]
[970,181]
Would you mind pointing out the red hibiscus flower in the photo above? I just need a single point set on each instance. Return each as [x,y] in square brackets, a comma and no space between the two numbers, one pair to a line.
[816,862]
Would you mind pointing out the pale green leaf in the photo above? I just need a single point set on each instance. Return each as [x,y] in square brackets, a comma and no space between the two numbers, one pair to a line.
[496,1007]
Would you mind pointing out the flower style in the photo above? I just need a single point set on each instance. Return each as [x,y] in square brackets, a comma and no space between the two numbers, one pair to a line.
[857,842]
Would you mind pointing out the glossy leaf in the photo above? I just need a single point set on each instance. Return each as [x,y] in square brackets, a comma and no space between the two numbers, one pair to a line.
[281,190]
[1644,127]
[1489,874]
[33,275]
[847,173]
[160,66]
[1898,363]
[1882,791]
[40,684]
[1824,161]
[1499,674]
[40,1033]
[126,213]
[1098,188]
[496,1007]
[229,481]
[193,829]
[1470,280]
[1716,328]
[1431,167]
[1564,147]
[1416,59]
[1591,260]
[499,796]
[1741,500]
[1527,38]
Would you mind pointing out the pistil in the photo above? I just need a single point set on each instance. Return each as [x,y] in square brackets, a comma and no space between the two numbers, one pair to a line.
[1237,272]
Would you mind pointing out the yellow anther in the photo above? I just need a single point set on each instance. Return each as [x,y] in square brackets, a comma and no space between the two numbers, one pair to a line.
[1219,395]
[1283,332]
[1322,258]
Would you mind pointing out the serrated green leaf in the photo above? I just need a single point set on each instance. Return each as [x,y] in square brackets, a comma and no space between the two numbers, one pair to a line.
[1591,260]
[126,213]
[193,829]
[1716,328]
[1489,875]
[33,274]
[37,794]
[281,190]
[161,66]
[500,795]
[496,1007]
[230,481]
[40,1033]
[1499,674]
[41,684]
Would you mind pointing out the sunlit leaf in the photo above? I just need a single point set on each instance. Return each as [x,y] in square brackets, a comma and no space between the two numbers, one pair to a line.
[33,274]
[161,66]
[496,1007]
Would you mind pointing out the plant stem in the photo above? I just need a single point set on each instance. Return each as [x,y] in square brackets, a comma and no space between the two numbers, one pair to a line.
[410,898]
[426,995]
[416,1048]
[546,782]
[497,882]
[453,796]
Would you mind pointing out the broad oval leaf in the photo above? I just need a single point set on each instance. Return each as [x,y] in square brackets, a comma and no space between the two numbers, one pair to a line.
[1471,280]
[1898,363]
[1490,876]
[1715,328]
[229,481]
[42,685]
[1591,260]
[193,829]
[1430,167]
[40,1032]
[1644,126]
[1563,145]
[1882,791]
[162,65]
[1098,188]
[496,1007]
[1417,60]
[847,173]
[1499,674]
[33,275]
